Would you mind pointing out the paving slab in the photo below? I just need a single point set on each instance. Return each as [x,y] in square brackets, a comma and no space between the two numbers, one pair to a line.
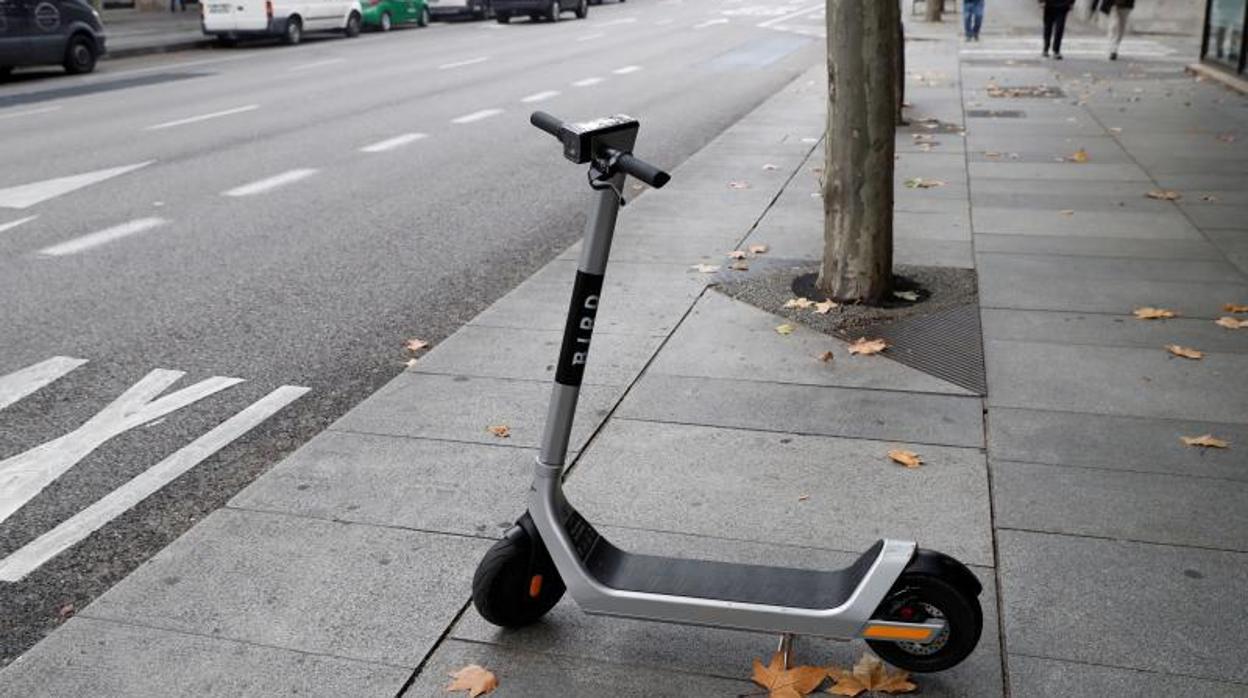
[1131,224]
[931,226]
[1097,329]
[1113,269]
[439,486]
[819,492]
[1084,599]
[358,592]
[725,338]
[1147,507]
[89,657]
[567,631]
[921,418]
[526,354]
[933,253]
[1115,380]
[1218,216]
[1096,246]
[1120,443]
[460,408]
[1036,676]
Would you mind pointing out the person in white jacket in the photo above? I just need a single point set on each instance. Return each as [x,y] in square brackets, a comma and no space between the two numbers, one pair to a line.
[1118,12]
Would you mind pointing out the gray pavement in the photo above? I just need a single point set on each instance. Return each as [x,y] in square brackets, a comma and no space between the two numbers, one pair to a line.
[1112,555]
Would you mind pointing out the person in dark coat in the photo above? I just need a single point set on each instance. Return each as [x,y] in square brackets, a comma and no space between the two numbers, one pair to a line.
[1055,12]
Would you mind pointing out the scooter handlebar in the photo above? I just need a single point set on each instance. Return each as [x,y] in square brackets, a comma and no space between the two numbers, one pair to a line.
[627,163]
[546,122]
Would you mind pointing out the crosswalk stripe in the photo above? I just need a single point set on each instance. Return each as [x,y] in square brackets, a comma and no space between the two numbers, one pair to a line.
[19,384]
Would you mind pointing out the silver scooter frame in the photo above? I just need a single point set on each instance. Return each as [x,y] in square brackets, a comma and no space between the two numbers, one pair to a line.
[550,510]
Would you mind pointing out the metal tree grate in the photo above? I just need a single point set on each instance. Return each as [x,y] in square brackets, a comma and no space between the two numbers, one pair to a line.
[995,114]
[946,344]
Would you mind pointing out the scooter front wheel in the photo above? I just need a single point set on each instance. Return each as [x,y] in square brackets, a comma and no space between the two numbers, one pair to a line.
[917,598]
[516,582]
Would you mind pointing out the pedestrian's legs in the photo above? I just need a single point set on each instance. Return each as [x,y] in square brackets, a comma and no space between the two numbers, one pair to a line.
[967,14]
[979,17]
[1059,28]
[1117,29]
[1049,15]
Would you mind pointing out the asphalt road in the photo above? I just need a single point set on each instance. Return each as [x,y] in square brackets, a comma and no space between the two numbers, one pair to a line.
[258,237]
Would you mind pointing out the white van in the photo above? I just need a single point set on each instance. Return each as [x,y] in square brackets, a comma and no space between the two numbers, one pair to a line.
[229,20]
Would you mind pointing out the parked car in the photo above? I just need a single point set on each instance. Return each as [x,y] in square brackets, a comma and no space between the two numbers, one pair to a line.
[385,14]
[478,9]
[231,20]
[48,32]
[504,10]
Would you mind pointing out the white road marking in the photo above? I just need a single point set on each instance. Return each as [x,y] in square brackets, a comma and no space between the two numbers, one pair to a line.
[591,37]
[795,15]
[34,554]
[28,112]
[270,183]
[587,82]
[316,64]
[460,64]
[392,143]
[25,475]
[540,96]
[627,69]
[202,117]
[612,23]
[476,116]
[21,383]
[102,237]
[27,195]
[13,224]
[710,23]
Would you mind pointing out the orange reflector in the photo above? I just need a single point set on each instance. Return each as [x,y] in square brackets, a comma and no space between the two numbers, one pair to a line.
[535,586]
[884,632]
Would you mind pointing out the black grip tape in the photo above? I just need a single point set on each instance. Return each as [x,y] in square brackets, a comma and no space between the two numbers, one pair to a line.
[580,328]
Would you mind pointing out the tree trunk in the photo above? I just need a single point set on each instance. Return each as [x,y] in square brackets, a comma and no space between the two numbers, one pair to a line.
[934,9]
[858,171]
[901,72]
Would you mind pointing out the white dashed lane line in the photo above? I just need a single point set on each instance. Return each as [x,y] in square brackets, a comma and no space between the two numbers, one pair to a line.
[203,117]
[316,64]
[614,22]
[102,237]
[460,64]
[710,23]
[13,224]
[627,69]
[392,143]
[591,37]
[270,183]
[28,112]
[587,82]
[476,116]
[540,96]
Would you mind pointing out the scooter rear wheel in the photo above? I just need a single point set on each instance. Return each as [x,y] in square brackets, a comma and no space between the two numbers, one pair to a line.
[916,598]
[516,583]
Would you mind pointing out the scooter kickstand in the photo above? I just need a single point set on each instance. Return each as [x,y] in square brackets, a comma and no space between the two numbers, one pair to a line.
[785,649]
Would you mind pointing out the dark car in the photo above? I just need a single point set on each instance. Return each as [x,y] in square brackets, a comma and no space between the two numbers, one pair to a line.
[47,32]
[504,10]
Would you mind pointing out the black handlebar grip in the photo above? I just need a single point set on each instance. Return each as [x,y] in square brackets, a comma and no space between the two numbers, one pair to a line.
[644,171]
[546,122]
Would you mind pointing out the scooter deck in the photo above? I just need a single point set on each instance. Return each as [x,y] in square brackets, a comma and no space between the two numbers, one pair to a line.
[726,581]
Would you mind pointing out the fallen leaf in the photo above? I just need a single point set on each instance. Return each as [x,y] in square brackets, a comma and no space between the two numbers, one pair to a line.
[1147,313]
[920,183]
[758,249]
[739,266]
[1164,195]
[1115,129]
[906,295]
[1067,212]
[705,268]
[736,184]
[1226,137]
[787,683]
[414,344]
[803,497]
[991,154]
[1205,441]
[1209,198]
[737,254]
[412,362]
[785,329]
[1185,352]
[867,347]
[475,679]
[800,303]
[770,167]
[869,674]
[1080,156]
[66,611]
[825,307]
[1231,323]
[910,459]
[502,431]
[1235,308]
[825,356]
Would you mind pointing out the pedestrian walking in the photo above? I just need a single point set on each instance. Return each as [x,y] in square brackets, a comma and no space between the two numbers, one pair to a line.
[1055,12]
[1118,12]
[972,18]
[175,4]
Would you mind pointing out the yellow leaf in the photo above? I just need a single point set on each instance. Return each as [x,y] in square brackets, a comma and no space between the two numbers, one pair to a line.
[1185,352]
[787,683]
[910,459]
[1164,195]
[825,356]
[737,254]
[785,329]
[758,249]
[1234,308]
[1148,313]
[1205,441]
[1080,156]
[475,679]
[869,674]
[867,347]
[1231,323]
[801,303]
[705,268]
[502,431]
[825,307]
[414,344]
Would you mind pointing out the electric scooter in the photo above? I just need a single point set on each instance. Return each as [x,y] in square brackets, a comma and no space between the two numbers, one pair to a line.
[917,609]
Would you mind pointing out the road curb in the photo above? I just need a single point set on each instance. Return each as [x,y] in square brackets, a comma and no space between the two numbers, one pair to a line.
[131,52]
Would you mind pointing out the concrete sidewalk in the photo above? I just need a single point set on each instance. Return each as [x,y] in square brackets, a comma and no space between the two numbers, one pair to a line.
[134,33]
[1113,557]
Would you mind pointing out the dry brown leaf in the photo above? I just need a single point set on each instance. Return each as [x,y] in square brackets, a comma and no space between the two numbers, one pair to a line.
[785,329]
[770,167]
[1164,195]
[1209,197]
[705,268]
[1234,308]
[867,347]
[1067,212]
[737,254]
[739,266]
[1205,441]
[475,679]
[1185,352]
[803,497]
[1080,156]
[66,611]
[1149,313]
[801,303]
[869,674]
[737,184]
[910,459]
[414,344]
[787,683]
[1231,323]
[920,183]
[502,431]
[825,356]
[906,295]
[1226,137]
[758,249]
[825,307]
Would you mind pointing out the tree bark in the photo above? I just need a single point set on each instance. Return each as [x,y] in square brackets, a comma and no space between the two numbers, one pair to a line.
[858,170]
[933,8]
